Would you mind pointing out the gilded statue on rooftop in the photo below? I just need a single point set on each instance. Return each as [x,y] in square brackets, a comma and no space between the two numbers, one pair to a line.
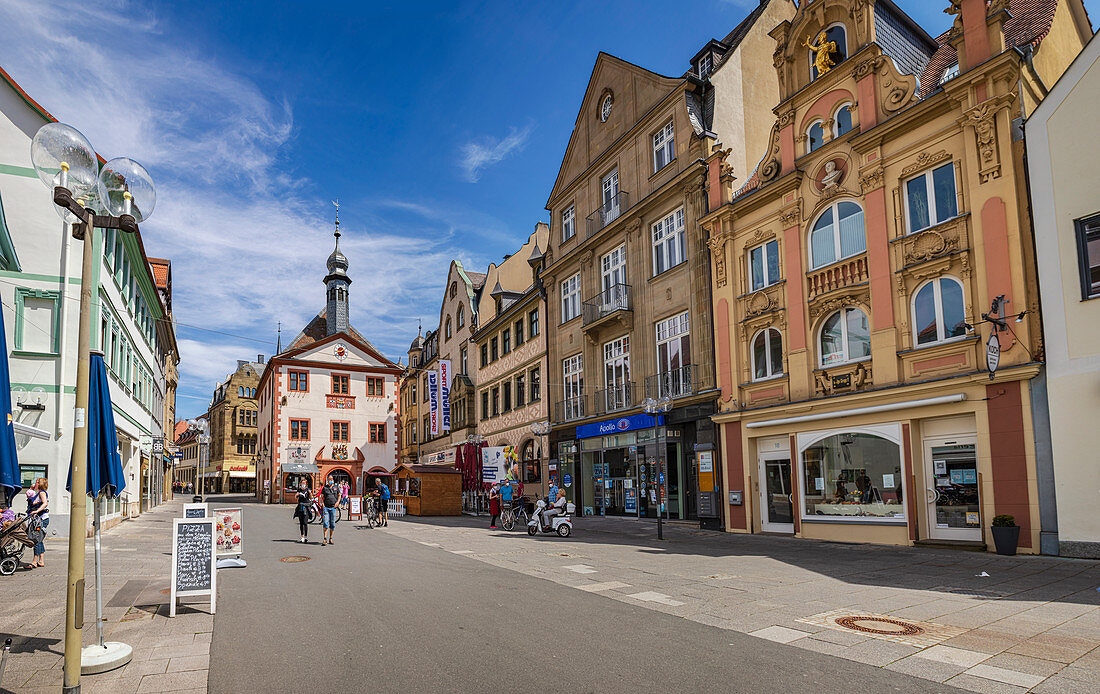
[823,50]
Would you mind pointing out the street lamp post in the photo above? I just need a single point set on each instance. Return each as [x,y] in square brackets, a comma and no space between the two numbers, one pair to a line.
[123,191]
[541,429]
[655,407]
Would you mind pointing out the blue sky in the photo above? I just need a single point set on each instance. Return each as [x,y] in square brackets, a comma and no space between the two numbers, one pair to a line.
[439,126]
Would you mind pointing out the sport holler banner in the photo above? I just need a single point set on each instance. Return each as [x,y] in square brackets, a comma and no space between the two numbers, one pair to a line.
[433,400]
[445,394]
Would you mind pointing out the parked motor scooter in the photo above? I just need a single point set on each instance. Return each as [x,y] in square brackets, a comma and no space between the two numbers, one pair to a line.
[562,525]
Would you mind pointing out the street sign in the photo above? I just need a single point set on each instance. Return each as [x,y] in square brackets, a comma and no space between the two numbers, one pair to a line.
[993,354]
[158,445]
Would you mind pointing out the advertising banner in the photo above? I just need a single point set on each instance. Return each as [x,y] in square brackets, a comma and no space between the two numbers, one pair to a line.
[445,394]
[494,464]
[230,531]
[433,401]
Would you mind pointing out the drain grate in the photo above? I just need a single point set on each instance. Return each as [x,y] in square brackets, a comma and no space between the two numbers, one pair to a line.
[895,627]
[294,560]
[984,594]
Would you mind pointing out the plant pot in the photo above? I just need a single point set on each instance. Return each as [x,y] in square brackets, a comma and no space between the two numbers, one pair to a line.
[1005,538]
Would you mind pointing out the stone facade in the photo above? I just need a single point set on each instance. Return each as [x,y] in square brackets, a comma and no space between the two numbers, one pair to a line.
[233,431]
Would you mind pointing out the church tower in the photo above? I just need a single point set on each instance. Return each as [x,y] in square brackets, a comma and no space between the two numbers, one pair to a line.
[336,287]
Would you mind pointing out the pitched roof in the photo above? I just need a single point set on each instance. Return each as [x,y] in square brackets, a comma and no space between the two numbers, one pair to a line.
[317,329]
[477,279]
[160,271]
[1028,26]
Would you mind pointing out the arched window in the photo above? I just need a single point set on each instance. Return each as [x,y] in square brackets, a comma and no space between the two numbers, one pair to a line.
[240,391]
[837,234]
[838,36]
[460,318]
[815,137]
[939,311]
[454,289]
[845,337]
[767,354]
[447,329]
[842,120]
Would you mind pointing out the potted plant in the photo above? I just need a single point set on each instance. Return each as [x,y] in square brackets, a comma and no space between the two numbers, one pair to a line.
[1006,534]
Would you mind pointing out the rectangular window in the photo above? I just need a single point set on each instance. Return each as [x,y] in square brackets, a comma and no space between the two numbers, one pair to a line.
[664,147]
[848,469]
[518,328]
[764,265]
[377,432]
[931,198]
[506,341]
[704,66]
[533,324]
[573,386]
[571,298]
[496,401]
[521,390]
[669,249]
[424,391]
[674,356]
[568,223]
[37,321]
[299,430]
[1088,249]
[376,386]
[494,350]
[462,359]
[341,432]
[484,356]
[532,472]
[506,390]
[536,384]
[298,381]
[484,404]
[427,429]
[341,384]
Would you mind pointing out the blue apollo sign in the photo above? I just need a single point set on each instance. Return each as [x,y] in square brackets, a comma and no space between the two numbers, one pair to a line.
[618,426]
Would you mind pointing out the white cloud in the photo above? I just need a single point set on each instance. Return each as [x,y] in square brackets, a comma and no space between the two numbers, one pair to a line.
[247,244]
[486,151]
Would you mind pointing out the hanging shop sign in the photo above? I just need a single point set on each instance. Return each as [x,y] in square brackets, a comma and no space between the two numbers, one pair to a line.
[433,401]
[445,394]
[993,354]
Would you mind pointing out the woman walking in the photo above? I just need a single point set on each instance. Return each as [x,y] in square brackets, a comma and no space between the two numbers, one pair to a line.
[494,506]
[38,502]
[301,511]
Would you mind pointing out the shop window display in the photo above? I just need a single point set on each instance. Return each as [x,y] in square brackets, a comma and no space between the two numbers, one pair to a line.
[853,474]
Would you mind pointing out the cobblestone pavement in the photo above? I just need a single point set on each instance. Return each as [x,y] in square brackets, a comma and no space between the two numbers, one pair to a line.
[976,621]
[169,654]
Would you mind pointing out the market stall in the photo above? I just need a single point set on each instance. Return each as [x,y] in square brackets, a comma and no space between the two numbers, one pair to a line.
[429,490]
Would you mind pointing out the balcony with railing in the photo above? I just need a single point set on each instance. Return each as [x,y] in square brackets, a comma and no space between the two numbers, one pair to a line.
[608,212]
[844,273]
[615,299]
[571,409]
[675,383]
[614,398]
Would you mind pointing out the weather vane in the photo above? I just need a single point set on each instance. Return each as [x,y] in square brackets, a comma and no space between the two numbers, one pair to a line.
[336,203]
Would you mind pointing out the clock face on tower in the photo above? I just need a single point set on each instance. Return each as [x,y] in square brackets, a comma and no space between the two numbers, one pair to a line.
[605,108]
[340,352]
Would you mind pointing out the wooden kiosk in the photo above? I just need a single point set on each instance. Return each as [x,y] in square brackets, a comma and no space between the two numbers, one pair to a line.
[429,490]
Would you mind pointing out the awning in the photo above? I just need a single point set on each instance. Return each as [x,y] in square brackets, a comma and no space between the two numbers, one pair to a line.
[28,430]
[301,468]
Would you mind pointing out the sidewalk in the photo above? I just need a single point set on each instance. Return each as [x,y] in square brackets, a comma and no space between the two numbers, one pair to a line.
[1031,624]
[169,654]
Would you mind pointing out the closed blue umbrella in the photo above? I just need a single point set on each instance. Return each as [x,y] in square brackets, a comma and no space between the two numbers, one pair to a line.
[10,481]
[105,474]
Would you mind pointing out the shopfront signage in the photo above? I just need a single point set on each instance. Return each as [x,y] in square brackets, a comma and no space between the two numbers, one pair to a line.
[444,457]
[965,476]
[158,445]
[617,426]
[993,354]
[630,502]
[567,480]
[842,381]
[706,461]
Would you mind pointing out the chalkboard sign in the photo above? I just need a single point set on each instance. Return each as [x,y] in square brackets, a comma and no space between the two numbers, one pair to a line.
[195,511]
[193,568]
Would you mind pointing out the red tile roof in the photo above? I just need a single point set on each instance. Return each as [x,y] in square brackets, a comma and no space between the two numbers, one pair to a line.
[160,271]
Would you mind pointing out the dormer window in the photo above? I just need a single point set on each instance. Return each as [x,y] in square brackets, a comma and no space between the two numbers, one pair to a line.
[827,49]
[950,73]
[704,66]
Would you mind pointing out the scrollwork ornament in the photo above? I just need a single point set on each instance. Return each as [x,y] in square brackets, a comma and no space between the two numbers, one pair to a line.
[870,180]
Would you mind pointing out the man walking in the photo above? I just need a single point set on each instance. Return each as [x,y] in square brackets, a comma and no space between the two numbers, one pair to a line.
[383,500]
[330,497]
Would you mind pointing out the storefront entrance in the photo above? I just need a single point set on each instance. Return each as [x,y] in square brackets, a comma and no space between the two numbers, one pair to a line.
[951,489]
[776,499]
[629,474]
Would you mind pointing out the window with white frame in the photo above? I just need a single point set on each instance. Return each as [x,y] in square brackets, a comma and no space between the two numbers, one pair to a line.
[664,147]
[842,120]
[568,223]
[837,234]
[767,354]
[815,136]
[764,265]
[939,311]
[1088,254]
[705,65]
[950,73]
[674,356]
[845,337]
[930,198]
[669,245]
[571,298]
[573,385]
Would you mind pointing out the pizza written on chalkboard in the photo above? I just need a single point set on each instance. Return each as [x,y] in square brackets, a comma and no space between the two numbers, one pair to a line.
[194,562]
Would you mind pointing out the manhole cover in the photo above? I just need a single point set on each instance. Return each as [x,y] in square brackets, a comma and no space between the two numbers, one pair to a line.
[884,626]
[292,560]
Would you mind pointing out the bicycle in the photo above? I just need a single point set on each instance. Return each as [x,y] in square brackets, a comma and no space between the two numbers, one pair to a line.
[517,513]
[371,513]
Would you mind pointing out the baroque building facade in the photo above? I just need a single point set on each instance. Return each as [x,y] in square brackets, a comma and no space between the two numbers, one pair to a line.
[860,270]
[627,278]
[233,417]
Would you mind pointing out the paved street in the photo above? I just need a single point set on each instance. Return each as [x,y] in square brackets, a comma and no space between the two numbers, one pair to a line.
[446,605]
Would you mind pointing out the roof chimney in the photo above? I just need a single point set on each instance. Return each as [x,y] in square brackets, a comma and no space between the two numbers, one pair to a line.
[259,359]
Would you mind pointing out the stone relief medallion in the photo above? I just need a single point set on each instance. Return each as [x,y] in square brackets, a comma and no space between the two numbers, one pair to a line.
[759,303]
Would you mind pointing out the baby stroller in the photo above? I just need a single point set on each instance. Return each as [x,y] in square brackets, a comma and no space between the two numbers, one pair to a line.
[15,536]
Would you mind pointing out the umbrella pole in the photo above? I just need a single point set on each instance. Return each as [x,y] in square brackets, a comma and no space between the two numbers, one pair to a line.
[98,577]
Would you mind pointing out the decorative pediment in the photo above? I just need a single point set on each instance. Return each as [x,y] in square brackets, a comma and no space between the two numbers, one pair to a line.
[846,378]
[858,299]
[924,160]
